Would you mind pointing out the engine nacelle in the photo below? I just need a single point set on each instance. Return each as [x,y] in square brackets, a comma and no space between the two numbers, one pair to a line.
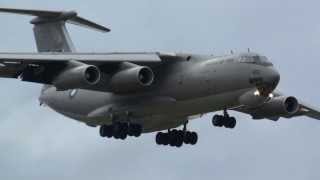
[77,75]
[131,79]
[278,107]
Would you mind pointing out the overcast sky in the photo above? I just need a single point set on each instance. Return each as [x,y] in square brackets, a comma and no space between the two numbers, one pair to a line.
[37,144]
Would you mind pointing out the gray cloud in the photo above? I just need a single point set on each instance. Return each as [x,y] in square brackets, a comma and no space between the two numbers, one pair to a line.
[36,143]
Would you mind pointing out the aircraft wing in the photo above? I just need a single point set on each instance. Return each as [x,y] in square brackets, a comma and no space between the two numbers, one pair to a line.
[13,64]
[304,109]
[44,67]
[308,110]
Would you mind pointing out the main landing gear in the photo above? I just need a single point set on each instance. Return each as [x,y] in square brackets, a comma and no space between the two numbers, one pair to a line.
[177,137]
[121,130]
[225,120]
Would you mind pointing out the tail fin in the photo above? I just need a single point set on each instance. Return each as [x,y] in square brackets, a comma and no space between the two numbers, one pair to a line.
[50,31]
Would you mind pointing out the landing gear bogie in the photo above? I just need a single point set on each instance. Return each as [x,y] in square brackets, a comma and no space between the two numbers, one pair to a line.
[121,130]
[224,121]
[176,138]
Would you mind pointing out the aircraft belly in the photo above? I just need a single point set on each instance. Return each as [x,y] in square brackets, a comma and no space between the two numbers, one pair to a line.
[200,105]
[172,116]
[157,114]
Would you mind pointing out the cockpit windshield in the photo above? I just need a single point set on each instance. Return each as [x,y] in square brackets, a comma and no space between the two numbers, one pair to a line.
[255,59]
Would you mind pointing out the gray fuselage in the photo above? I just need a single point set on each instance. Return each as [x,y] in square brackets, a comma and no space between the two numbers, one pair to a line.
[196,85]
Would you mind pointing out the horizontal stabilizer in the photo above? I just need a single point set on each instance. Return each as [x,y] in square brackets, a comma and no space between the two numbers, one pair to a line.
[44,16]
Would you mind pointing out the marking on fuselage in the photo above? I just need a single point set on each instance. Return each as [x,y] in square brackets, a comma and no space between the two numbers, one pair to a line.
[73,93]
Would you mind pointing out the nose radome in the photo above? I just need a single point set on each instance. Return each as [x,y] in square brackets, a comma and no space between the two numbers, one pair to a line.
[272,77]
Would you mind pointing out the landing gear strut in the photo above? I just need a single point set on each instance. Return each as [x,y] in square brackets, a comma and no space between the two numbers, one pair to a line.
[177,137]
[121,130]
[225,120]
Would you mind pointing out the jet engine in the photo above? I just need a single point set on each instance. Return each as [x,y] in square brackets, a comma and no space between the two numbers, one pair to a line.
[131,79]
[77,75]
[278,107]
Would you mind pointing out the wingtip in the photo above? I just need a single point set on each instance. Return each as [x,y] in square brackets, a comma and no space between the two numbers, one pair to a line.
[104,29]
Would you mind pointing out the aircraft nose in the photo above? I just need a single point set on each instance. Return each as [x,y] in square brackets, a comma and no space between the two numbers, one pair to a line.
[272,78]
[266,80]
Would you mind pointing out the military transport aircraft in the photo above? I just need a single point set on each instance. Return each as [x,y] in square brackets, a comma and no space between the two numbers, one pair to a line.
[127,94]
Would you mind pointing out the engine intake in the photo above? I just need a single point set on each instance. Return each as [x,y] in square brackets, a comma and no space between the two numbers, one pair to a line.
[132,79]
[146,76]
[77,75]
[92,75]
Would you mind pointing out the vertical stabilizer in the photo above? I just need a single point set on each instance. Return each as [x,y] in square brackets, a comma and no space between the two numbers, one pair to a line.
[53,37]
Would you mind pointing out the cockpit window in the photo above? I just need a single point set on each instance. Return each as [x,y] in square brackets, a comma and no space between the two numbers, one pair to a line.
[255,59]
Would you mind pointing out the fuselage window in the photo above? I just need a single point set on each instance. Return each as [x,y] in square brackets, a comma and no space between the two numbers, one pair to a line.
[259,60]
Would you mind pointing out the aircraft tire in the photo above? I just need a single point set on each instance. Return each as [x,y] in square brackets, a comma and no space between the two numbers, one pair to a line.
[123,136]
[159,138]
[123,130]
[137,130]
[187,137]
[102,131]
[106,131]
[172,137]
[194,138]
[230,123]
[217,120]
[117,130]
[131,130]
[165,138]
[116,135]
[179,139]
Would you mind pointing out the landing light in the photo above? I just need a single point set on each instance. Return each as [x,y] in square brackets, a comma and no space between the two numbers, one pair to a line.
[257,93]
[271,95]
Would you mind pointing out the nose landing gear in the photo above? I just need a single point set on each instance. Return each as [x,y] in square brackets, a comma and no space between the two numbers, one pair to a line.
[225,120]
